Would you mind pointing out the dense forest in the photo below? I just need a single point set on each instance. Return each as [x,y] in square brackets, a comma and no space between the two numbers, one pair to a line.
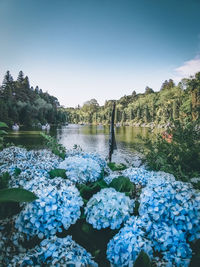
[20,103]
[172,102]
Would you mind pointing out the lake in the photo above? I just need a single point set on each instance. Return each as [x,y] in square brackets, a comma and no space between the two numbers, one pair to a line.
[89,137]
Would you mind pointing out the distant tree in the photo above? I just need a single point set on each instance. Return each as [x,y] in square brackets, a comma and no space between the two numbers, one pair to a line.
[133,93]
[167,84]
[194,85]
[37,90]
[148,90]
[26,83]
[20,77]
[8,79]
[91,106]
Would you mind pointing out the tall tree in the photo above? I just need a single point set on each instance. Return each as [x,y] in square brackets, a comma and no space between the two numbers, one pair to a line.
[8,79]
[20,77]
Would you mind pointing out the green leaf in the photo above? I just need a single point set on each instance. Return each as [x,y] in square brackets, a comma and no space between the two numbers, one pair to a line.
[58,173]
[123,184]
[4,179]
[87,191]
[117,167]
[16,195]
[3,125]
[17,171]
[3,132]
[142,260]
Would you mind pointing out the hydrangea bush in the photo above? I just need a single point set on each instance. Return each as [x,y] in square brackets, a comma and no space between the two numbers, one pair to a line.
[108,208]
[55,252]
[31,163]
[169,212]
[86,155]
[58,206]
[141,176]
[64,251]
[125,247]
[171,243]
[81,170]
[174,203]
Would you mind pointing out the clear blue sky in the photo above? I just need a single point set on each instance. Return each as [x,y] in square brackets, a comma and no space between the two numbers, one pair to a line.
[103,49]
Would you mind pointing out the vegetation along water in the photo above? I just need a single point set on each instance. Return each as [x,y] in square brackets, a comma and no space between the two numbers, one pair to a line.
[62,203]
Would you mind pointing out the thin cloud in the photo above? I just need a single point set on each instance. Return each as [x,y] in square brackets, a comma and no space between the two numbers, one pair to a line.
[189,68]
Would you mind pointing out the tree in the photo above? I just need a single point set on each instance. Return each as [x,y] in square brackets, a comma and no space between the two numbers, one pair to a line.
[20,77]
[8,79]
[133,93]
[90,106]
[26,83]
[148,90]
[167,84]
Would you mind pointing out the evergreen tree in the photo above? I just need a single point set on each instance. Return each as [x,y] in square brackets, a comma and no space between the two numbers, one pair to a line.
[8,79]
[20,77]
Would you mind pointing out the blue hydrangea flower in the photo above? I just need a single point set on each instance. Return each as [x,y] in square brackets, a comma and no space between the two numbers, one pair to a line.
[95,156]
[141,176]
[54,252]
[64,251]
[175,203]
[81,170]
[108,208]
[125,246]
[58,206]
[31,163]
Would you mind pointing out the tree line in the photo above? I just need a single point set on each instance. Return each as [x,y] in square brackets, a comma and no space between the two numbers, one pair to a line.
[21,103]
[173,102]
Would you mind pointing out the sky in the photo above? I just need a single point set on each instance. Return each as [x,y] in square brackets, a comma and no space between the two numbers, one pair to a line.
[103,49]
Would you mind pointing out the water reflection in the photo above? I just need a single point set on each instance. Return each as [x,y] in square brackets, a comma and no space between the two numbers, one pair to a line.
[90,138]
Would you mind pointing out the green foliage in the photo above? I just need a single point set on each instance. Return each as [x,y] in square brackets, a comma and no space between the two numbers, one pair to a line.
[123,184]
[55,147]
[171,102]
[142,260]
[17,171]
[196,253]
[58,173]
[181,156]
[16,195]
[9,209]
[136,209]
[87,191]
[3,125]
[94,241]
[4,179]
[2,132]
[22,104]
[116,167]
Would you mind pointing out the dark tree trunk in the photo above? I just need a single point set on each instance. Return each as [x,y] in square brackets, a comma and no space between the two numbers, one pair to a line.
[112,141]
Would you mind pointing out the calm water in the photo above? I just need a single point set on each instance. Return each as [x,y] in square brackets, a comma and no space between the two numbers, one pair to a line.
[90,138]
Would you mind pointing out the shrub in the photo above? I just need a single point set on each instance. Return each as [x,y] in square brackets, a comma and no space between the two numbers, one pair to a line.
[181,156]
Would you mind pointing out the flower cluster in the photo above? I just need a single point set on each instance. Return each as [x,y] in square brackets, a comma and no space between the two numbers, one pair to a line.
[55,252]
[108,208]
[171,243]
[141,176]
[86,155]
[64,251]
[81,170]
[172,213]
[31,163]
[58,206]
[125,247]
[174,203]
